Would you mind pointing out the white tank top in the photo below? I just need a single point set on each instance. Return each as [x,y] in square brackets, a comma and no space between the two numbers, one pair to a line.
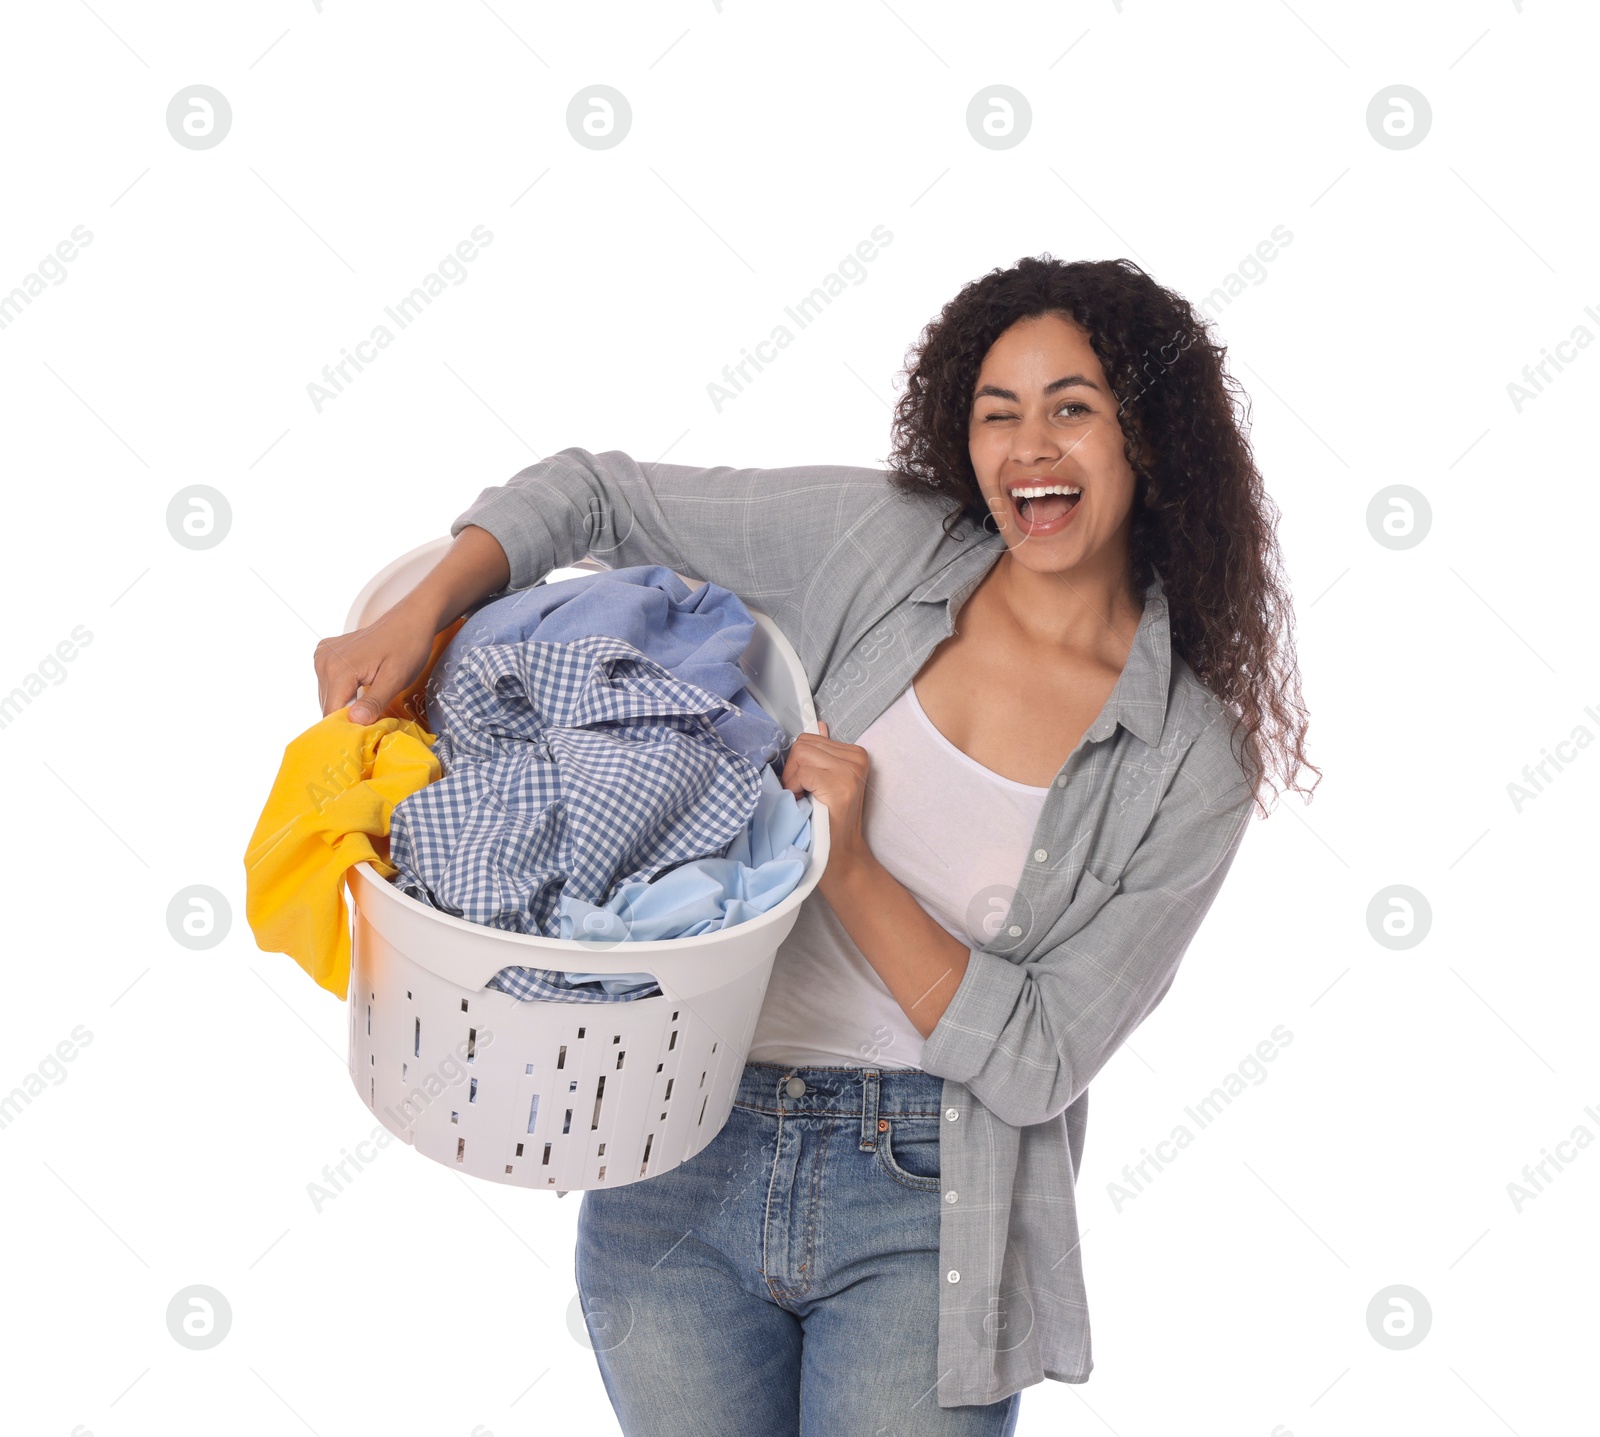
[956,834]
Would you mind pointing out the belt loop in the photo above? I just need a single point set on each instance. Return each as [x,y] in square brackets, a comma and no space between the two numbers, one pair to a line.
[869,1110]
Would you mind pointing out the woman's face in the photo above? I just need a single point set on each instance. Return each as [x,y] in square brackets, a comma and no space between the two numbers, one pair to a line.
[1044,415]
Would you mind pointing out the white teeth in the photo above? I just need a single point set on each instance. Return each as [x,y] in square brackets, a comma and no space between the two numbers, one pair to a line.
[1038,491]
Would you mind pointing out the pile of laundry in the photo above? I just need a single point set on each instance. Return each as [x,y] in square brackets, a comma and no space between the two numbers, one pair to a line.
[599,772]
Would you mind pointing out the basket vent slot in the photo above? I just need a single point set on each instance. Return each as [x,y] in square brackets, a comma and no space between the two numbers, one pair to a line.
[533,1117]
[599,1097]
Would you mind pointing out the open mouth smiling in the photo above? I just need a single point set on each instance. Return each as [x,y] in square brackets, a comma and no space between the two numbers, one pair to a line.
[1044,507]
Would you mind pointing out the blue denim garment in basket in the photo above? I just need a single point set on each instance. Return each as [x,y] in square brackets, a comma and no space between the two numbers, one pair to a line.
[761,868]
[569,768]
[698,635]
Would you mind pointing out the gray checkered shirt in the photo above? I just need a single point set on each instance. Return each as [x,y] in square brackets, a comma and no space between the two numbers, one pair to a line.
[1136,835]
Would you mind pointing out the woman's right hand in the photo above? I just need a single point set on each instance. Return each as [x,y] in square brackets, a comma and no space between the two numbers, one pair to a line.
[382,660]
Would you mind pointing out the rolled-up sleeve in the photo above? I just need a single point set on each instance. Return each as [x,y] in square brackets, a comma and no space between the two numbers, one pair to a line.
[763,533]
[1027,1037]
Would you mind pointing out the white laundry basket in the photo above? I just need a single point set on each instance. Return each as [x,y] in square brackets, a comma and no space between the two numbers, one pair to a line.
[559,1096]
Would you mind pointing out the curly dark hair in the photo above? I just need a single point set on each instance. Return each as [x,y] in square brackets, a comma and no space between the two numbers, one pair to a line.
[1202,519]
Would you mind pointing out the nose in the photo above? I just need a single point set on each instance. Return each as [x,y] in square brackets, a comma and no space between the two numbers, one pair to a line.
[1034,444]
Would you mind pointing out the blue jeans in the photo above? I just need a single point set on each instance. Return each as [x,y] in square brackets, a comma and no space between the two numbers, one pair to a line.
[786,1278]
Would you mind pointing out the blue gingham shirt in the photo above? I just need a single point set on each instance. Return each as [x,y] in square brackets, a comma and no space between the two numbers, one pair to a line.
[569,768]
[1136,835]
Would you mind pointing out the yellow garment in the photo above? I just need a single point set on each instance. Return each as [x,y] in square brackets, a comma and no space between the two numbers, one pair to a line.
[328,810]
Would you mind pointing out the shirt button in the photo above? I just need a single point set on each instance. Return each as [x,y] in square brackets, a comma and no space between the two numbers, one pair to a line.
[1015,930]
[950,1196]
[1039,855]
[1062,781]
[952,1114]
[795,1087]
[953,1275]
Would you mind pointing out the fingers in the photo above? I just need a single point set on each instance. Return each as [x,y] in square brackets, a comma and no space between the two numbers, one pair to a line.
[338,681]
[790,777]
[817,760]
[791,763]
[378,693]
[801,755]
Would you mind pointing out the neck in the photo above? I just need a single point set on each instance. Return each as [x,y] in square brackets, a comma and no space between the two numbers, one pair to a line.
[1085,609]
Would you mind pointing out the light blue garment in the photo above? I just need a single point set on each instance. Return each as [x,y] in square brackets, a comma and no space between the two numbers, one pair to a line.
[761,866]
[698,636]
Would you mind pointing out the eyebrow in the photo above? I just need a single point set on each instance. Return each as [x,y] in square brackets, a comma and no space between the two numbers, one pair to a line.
[1065,382]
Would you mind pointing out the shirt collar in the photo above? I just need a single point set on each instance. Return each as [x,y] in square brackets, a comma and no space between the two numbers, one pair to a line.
[1139,700]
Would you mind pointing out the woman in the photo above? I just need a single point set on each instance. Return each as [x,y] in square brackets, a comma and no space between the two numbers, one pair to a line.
[1052,657]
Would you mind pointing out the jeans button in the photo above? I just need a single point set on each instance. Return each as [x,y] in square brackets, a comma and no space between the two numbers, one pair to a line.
[795,1087]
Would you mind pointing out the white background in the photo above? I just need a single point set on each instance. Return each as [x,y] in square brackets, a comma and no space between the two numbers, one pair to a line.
[1231,1295]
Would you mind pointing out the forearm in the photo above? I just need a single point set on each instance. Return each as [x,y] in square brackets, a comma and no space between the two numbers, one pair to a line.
[473,567]
[763,533]
[919,961]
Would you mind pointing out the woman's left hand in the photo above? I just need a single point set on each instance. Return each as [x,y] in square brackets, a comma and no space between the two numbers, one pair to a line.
[835,775]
